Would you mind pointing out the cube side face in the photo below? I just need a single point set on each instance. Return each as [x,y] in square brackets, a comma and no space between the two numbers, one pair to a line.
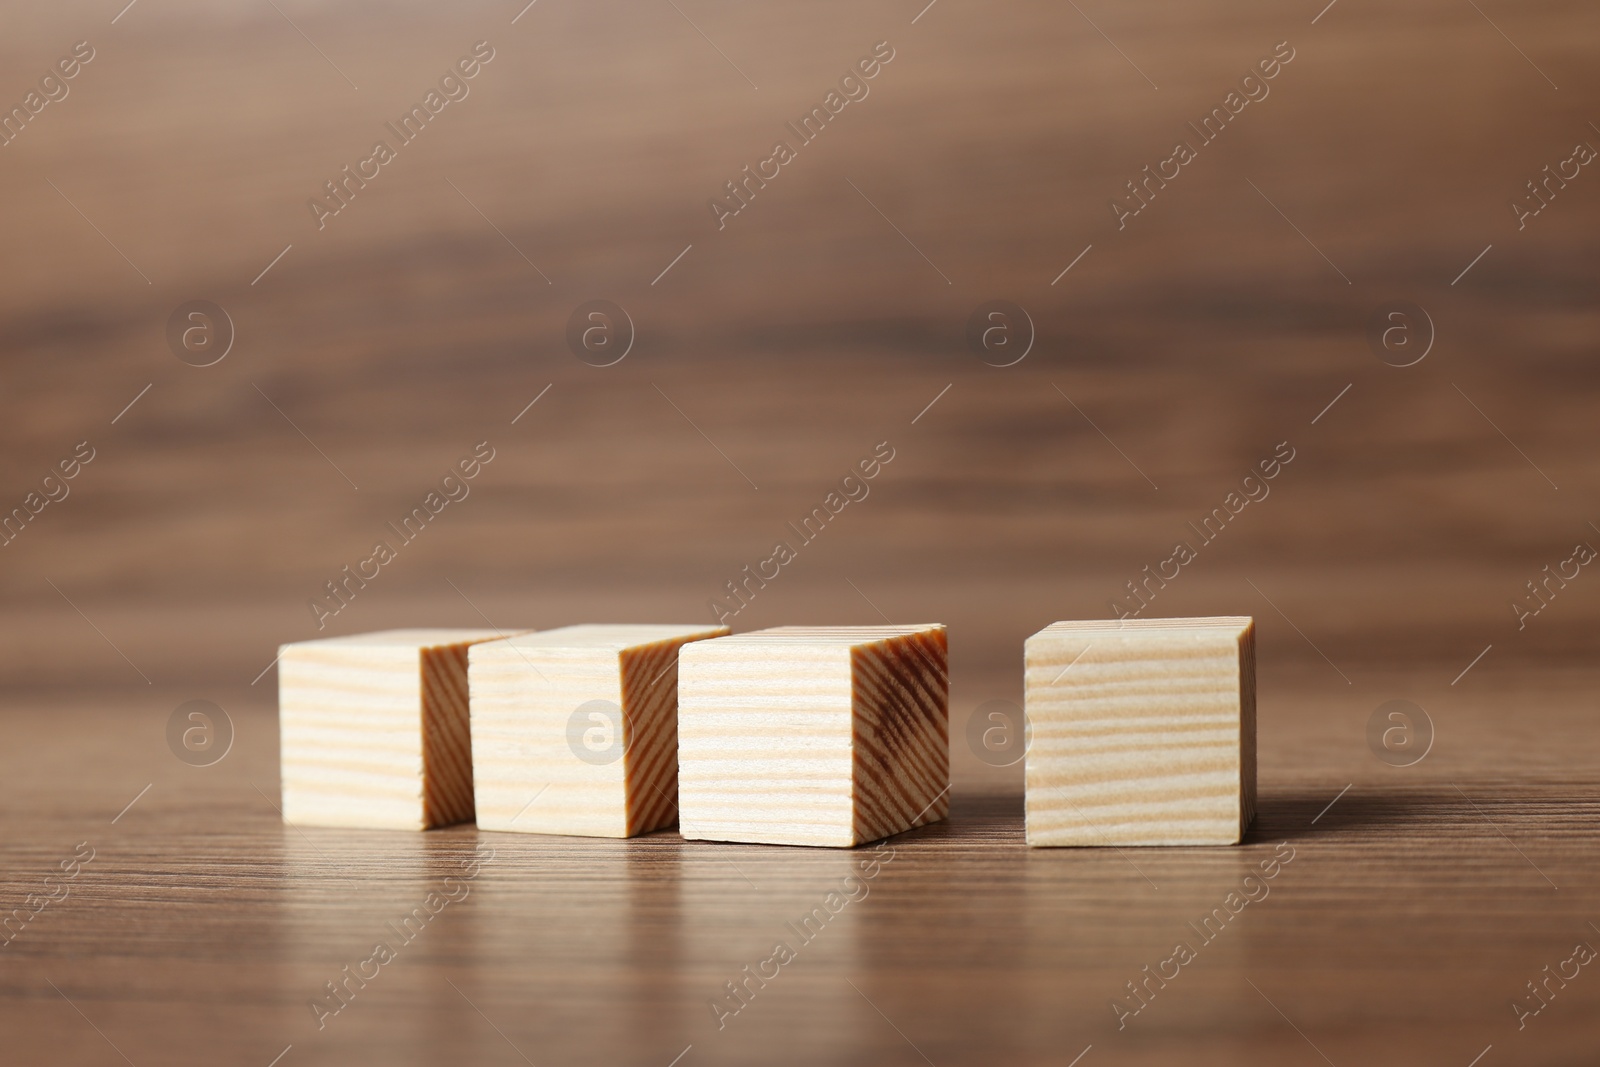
[1247,728]
[350,724]
[446,736]
[901,699]
[548,736]
[1147,739]
[650,706]
[764,742]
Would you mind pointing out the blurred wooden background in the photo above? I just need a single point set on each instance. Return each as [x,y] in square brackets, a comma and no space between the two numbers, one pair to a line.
[824,318]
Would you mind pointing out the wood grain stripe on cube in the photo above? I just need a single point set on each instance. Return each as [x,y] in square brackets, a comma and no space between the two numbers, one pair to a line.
[901,743]
[446,727]
[650,722]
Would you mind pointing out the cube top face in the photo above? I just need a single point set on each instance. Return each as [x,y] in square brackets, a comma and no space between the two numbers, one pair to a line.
[618,637]
[835,637]
[374,729]
[574,731]
[813,735]
[1142,732]
[415,639]
[1154,630]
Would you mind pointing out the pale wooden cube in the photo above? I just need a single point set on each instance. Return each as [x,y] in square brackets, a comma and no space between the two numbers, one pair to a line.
[575,731]
[374,729]
[1143,732]
[814,735]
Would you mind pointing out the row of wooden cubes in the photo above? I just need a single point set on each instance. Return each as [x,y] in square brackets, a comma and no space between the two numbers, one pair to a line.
[817,736]
[1141,732]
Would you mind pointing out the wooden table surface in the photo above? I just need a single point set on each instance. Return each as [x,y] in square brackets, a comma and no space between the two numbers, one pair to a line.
[1228,319]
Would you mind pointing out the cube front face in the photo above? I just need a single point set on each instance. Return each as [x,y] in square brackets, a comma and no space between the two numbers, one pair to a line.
[764,742]
[574,731]
[825,736]
[1142,733]
[374,729]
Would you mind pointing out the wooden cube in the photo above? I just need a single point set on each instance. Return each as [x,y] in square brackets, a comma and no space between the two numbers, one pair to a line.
[374,729]
[814,735]
[575,731]
[1143,732]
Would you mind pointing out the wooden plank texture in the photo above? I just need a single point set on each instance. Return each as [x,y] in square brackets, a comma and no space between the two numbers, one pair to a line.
[203,927]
